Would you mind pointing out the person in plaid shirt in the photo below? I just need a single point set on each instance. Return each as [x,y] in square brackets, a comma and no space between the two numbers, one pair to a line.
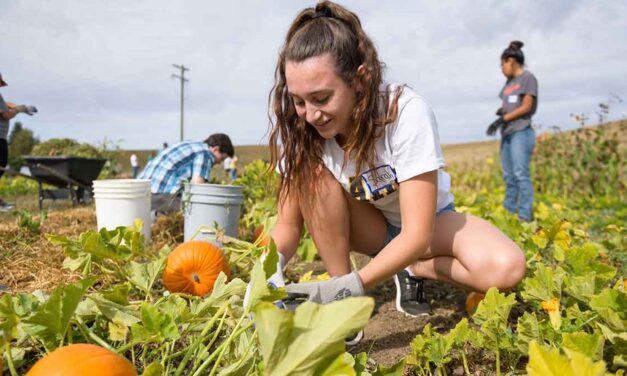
[185,161]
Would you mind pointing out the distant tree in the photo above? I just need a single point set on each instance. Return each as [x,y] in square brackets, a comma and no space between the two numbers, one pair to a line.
[21,142]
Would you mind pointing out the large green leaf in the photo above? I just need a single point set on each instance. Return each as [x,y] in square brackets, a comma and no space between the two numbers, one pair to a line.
[300,343]
[527,330]
[438,347]
[549,362]
[155,326]
[144,275]
[25,304]
[259,289]
[393,370]
[341,365]
[545,284]
[581,287]
[176,307]
[222,291]
[585,259]
[590,345]
[117,313]
[82,263]
[460,334]
[611,305]
[274,327]
[492,314]
[118,293]
[98,246]
[56,313]
[271,260]
[8,320]
[361,366]
[153,369]
[493,306]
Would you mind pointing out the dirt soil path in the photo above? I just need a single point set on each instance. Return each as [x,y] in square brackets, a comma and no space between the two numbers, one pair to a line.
[388,335]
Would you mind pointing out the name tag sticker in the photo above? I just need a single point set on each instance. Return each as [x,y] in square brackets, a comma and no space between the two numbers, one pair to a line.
[512,99]
[374,184]
[379,178]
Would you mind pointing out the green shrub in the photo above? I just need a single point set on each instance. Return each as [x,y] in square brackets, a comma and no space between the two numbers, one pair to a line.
[585,163]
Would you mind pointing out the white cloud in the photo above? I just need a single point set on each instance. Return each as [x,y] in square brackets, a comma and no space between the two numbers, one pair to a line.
[102,68]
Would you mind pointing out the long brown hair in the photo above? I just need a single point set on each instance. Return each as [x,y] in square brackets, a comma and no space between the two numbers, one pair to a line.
[333,29]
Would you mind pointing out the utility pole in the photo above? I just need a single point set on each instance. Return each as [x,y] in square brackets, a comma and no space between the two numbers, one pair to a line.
[183,69]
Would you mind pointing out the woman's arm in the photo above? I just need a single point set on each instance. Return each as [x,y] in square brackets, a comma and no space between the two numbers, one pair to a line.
[418,197]
[525,108]
[289,226]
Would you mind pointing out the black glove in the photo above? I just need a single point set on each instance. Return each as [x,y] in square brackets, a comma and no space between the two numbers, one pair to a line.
[30,110]
[492,128]
[500,112]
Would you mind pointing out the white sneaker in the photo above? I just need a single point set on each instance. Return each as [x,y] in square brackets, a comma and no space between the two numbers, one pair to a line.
[353,340]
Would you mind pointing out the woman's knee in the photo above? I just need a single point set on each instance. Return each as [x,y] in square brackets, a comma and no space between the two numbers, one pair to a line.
[324,189]
[324,183]
[506,269]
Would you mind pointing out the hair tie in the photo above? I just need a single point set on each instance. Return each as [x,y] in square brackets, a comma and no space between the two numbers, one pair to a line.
[324,12]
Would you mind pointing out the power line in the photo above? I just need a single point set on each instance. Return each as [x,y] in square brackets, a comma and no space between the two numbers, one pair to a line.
[183,69]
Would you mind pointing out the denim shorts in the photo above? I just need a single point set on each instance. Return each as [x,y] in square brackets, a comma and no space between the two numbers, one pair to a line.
[393,231]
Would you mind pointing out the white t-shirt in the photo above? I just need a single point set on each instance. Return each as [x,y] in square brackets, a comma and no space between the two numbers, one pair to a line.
[227,163]
[409,147]
[134,161]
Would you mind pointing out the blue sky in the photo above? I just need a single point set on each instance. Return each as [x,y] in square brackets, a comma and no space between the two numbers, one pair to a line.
[101,69]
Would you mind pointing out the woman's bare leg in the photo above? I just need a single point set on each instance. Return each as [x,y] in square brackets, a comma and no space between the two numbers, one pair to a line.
[472,253]
[466,251]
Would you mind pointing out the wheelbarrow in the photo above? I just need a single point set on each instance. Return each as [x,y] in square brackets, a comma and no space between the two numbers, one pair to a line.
[72,176]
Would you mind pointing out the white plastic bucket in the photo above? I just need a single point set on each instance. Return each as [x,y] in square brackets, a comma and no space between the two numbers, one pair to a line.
[204,204]
[119,202]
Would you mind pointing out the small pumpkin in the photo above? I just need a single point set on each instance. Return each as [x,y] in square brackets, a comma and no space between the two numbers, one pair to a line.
[262,238]
[82,359]
[193,268]
[472,301]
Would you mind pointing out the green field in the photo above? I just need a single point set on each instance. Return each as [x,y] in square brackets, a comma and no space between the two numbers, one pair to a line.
[453,153]
[65,283]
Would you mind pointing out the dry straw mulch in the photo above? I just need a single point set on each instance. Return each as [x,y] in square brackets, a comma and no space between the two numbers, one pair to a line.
[28,262]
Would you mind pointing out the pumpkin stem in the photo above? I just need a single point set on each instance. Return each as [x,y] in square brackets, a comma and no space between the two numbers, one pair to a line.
[196,277]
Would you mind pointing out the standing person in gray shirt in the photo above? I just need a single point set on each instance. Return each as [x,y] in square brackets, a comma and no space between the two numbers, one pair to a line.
[8,111]
[519,99]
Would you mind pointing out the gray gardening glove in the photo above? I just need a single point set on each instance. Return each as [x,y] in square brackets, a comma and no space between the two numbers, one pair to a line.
[324,292]
[29,110]
[20,108]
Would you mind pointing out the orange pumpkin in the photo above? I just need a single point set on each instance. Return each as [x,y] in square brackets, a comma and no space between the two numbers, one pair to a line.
[193,268]
[82,359]
[472,301]
[261,236]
